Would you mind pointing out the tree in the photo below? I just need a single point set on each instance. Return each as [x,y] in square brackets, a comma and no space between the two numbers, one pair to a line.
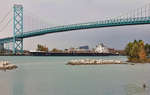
[142,54]
[132,49]
[136,50]
[147,48]
[56,50]
[142,51]
[42,48]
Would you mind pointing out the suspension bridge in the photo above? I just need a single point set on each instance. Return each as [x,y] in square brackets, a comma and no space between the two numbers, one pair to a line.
[139,16]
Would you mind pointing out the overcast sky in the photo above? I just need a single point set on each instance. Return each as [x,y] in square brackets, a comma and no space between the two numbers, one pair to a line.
[60,12]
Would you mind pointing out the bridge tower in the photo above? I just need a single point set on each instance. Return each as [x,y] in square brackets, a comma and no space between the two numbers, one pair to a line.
[17,29]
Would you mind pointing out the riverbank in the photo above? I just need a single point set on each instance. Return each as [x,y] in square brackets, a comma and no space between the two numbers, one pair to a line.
[70,54]
[60,54]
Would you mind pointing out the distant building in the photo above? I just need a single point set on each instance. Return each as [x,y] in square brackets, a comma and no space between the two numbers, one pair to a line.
[100,48]
[84,47]
[71,50]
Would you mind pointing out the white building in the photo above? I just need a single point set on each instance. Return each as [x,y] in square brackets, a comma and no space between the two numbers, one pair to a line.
[100,48]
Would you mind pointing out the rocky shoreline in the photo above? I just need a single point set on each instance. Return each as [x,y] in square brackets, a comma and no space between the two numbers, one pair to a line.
[5,65]
[94,62]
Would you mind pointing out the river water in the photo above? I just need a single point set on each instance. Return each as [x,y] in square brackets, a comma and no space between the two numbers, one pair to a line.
[51,76]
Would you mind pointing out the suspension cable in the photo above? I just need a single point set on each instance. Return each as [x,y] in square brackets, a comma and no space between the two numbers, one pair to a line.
[5,17]
[6,25]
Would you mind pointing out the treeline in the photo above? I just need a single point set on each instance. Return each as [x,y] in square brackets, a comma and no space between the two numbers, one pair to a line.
[45,49]
[137,51]
[42,48]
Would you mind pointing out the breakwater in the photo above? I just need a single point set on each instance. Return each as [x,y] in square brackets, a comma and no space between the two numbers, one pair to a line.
[5,65]
[94,62]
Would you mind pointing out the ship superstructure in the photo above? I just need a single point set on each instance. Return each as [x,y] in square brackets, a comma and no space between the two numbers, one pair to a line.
[101,48]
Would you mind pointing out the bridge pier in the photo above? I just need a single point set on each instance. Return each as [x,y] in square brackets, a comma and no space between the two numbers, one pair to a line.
[1,46]
[17,45]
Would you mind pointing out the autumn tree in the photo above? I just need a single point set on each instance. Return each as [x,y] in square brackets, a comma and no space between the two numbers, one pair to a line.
[147,48]
[56,50]
[42,48]
[141,52]
[136,51]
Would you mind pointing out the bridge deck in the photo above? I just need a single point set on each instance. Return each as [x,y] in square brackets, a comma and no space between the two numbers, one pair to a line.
[89,25]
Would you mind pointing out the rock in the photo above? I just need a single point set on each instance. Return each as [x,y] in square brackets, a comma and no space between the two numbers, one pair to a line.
[144,85]
[5,65]
[93,62]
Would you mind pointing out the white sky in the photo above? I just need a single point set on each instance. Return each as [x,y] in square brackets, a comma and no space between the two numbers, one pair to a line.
[59,12]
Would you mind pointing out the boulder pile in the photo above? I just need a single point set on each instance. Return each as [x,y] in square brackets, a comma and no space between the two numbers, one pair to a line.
[93,62]
[5,65]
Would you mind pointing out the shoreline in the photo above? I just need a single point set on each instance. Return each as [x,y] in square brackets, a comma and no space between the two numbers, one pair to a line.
[61,54]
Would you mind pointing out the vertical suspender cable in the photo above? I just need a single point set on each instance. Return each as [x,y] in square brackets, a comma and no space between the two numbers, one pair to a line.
[148,10]
[145,11]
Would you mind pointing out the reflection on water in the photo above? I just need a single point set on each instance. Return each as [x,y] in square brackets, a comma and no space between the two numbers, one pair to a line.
[136,89]
[18,85]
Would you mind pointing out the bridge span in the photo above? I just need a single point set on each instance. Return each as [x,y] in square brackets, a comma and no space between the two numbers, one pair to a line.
[89,25]
[19,35]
